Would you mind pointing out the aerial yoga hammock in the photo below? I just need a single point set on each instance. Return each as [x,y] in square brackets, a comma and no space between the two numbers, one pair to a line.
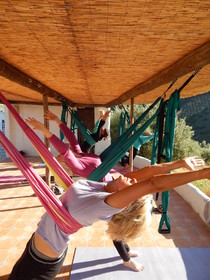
[124,122]
[76,122]
[60,174]
[142,139]
[164,144]
[48,199]
[73,124]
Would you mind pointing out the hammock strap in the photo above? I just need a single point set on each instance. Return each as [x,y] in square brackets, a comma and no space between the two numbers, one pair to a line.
[161,144]
[189,79]
[96,126]
[52,204]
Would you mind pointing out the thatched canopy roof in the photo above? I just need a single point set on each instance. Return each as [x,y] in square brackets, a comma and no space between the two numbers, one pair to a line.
[102,53]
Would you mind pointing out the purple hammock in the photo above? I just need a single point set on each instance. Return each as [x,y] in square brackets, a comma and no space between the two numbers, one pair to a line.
[62,177]
[48,199]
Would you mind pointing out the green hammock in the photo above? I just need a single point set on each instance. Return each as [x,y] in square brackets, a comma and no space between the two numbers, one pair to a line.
[124,119]
[96,126]
[73,125]
[121,146]
[64,117]
[142,140]
[76,122]
[169,108]
[123,138]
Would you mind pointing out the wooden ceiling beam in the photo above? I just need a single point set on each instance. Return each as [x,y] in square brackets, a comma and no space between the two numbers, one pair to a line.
[30,103]
[196,59]
[13,74]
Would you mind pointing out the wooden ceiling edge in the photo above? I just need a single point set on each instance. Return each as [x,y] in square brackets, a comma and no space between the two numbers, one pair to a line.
[31,103]
[13,74]
[196,59]
[76,105]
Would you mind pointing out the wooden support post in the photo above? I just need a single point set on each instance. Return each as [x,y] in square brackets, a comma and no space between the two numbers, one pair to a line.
[131,149]
[46,141]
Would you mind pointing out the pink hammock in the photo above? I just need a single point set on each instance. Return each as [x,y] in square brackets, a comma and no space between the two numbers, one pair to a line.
[12,179]
[48,199]
[57,169]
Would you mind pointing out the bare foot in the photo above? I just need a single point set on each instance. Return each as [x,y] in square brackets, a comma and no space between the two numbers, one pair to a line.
[134,265]
[126,167]
[133,253]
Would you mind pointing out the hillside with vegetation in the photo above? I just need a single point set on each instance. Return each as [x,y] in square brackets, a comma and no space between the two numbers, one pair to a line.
[196,111]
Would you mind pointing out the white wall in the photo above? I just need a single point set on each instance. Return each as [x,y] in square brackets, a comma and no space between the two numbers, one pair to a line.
[18,137]
[198,200]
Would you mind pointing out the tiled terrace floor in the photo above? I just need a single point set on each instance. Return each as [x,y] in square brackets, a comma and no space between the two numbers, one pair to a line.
[20,210]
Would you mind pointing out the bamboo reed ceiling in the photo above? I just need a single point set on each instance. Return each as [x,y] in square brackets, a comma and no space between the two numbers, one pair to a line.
[102,53]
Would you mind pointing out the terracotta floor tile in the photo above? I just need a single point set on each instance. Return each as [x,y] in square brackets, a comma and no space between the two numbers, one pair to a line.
[182,242]
[167,243]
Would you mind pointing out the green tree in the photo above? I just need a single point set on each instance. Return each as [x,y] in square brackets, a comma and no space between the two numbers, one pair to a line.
[184,145]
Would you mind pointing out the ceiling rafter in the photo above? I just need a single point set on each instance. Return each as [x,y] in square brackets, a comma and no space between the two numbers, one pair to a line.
[13,74]
[196,59]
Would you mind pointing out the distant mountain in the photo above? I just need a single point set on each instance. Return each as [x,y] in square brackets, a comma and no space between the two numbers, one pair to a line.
[196,111]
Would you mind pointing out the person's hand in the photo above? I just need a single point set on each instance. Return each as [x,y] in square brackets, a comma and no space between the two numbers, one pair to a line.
[38,126]
[147,133]
[35,124]
[105,116]
[192,162]
[100,115]
[123,182]
[48,115]
[119,184]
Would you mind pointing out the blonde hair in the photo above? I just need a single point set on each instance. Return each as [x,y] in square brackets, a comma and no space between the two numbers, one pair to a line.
[129,223]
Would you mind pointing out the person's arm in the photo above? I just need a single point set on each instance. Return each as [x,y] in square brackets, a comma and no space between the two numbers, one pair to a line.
[66,131]
[190,163]
[71,139]
[105,116]
[54,140]
[157,183]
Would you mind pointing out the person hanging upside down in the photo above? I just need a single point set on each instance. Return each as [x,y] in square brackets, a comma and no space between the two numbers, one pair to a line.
[99,134]
[123,203]
[80,163]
